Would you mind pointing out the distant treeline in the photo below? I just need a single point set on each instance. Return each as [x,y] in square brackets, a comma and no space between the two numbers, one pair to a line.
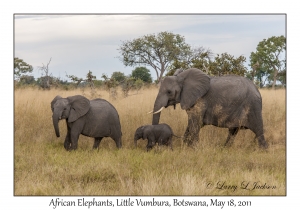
[166,52]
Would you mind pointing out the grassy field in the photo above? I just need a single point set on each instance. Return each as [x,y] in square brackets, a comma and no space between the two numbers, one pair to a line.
[43,167]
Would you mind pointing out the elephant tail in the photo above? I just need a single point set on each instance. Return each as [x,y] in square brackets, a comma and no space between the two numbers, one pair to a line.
[177,136]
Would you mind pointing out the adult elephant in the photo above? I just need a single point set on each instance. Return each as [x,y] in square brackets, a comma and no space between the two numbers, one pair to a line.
[231,102]
[94,118]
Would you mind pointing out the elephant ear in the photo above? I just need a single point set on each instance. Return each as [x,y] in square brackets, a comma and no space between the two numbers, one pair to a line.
[80,105]
[178,71]
[54,101]
[144,131]
[195,85]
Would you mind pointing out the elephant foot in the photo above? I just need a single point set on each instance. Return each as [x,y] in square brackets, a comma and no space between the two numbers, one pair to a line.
[149,148]
[67,146]
[119,144]
[263,145]
[262,142]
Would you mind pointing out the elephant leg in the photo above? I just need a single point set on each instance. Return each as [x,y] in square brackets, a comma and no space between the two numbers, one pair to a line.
[191,135]
[74,140]
[97,142]
[231,135]
[117,137]
[195,122]
[261,139]
[149,147]
[118,141]
[151,142]
[67,143]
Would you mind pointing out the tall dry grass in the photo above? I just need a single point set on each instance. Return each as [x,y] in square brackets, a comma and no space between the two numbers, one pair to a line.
[43,167]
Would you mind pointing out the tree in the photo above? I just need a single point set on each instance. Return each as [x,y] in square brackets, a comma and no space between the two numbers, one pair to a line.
[26,80]
[222,64]
[201,58]
[127,85]
[157,51]
[98,83]
[45,78]
[197,57]
[225,64]
[110,85]
[282,77]
[46,82]
[75,79]
[138,84]
[90,79]
[258,74]
[142,73]
[21,68]
[118,76]
[270,54]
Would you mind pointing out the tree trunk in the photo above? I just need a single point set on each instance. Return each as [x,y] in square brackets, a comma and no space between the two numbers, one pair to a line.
[274,78]
[162,71]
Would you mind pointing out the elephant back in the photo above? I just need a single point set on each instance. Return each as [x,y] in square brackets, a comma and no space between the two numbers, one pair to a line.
[104,107]
[233,87]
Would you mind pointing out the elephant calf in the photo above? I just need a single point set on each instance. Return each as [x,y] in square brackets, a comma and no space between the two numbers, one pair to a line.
[94,118]
[161,134]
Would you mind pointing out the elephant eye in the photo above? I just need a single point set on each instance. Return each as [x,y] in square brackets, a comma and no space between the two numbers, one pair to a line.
[169,91]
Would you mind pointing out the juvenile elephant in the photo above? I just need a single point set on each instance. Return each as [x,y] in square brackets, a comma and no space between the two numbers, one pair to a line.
[94,118]
[231,102]
[161,134]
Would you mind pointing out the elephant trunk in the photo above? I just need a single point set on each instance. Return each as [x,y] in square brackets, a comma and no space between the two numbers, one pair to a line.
[55,119]
[155,119]
[135,142]
[160,102]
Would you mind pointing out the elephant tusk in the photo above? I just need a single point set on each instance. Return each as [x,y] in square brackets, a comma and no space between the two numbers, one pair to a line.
[150,112]
[158,110]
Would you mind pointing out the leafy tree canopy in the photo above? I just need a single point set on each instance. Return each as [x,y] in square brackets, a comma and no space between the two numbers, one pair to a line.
[21,67]
[222,64]
[90,78]
[142,73]
[269,60]
[26,80]
[155,50]
[197,57]
[118,76]
[225,64]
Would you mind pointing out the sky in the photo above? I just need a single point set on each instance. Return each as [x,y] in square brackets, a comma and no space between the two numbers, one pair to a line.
[79,43]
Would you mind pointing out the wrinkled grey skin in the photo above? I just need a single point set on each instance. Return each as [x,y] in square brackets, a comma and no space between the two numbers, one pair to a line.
[231,102]
[161,134]
[94,118]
